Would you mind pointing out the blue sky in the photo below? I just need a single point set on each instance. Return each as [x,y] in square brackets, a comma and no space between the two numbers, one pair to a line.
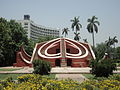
[58,13]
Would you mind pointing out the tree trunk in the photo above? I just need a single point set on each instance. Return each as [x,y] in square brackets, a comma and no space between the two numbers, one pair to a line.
[93,39]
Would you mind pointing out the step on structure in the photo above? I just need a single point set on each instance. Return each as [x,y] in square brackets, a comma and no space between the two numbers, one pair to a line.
[60,52]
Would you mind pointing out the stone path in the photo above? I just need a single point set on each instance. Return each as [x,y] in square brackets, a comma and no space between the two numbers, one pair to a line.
[20,70]
[77,77]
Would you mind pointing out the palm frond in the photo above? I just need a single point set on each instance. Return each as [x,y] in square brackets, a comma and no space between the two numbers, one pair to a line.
[75,33]
[96,28]
[77,27]
[94,17]
[72,20]
[63,32]
[115,40]
[90,28]
[80,25]
[89,20]
[72,26]
[97,22]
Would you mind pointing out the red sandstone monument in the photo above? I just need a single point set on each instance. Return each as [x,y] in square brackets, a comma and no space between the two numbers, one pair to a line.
[60,52]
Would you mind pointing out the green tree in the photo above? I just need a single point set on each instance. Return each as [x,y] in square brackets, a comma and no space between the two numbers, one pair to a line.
[77,26]
[4,39]
[77,36]
[44,38]
[29,47]
[92,27]
[100,50]
[65,31]
[109,43]
[12,36]
[117,52]
[114,40]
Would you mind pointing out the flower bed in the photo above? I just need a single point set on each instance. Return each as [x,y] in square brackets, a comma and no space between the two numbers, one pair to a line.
[38,82]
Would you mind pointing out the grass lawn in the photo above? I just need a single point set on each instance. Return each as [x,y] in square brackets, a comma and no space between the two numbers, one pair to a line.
[118,68]
[52,76]
[9,69]
[5,76]
[88,76]
[14,76]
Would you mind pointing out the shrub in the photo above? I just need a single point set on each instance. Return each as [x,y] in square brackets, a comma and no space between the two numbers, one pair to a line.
[103,68]
[41,67]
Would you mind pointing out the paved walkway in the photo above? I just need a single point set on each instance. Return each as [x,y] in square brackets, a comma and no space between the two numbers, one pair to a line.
[77,77]
[70,70]
[56,70]
[61,72]
[20,70]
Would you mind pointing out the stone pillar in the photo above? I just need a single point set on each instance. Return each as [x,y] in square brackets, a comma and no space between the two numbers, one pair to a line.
[63,62]
[63,52]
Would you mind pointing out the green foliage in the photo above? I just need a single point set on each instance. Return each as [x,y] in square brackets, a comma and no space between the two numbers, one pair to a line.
[103,68]
[117,50]
[31,44]
[12,36]
[5,83]
[101,85]
[29,47]
[44,38]
[38,82]
[41,67]
[25,78]
[114,77]
[100,50]
[1,87]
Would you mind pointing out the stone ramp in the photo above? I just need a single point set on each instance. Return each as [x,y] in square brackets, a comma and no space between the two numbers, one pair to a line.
[76,77]
[70,70]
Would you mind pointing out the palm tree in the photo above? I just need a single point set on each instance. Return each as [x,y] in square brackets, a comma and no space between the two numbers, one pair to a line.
[76,24]
[111,41]
[65,31]
[85,40]
[77,37]
[92,27]
[114,40]
[108,42]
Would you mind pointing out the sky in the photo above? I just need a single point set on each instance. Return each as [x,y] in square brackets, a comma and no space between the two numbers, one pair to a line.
[58,13]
